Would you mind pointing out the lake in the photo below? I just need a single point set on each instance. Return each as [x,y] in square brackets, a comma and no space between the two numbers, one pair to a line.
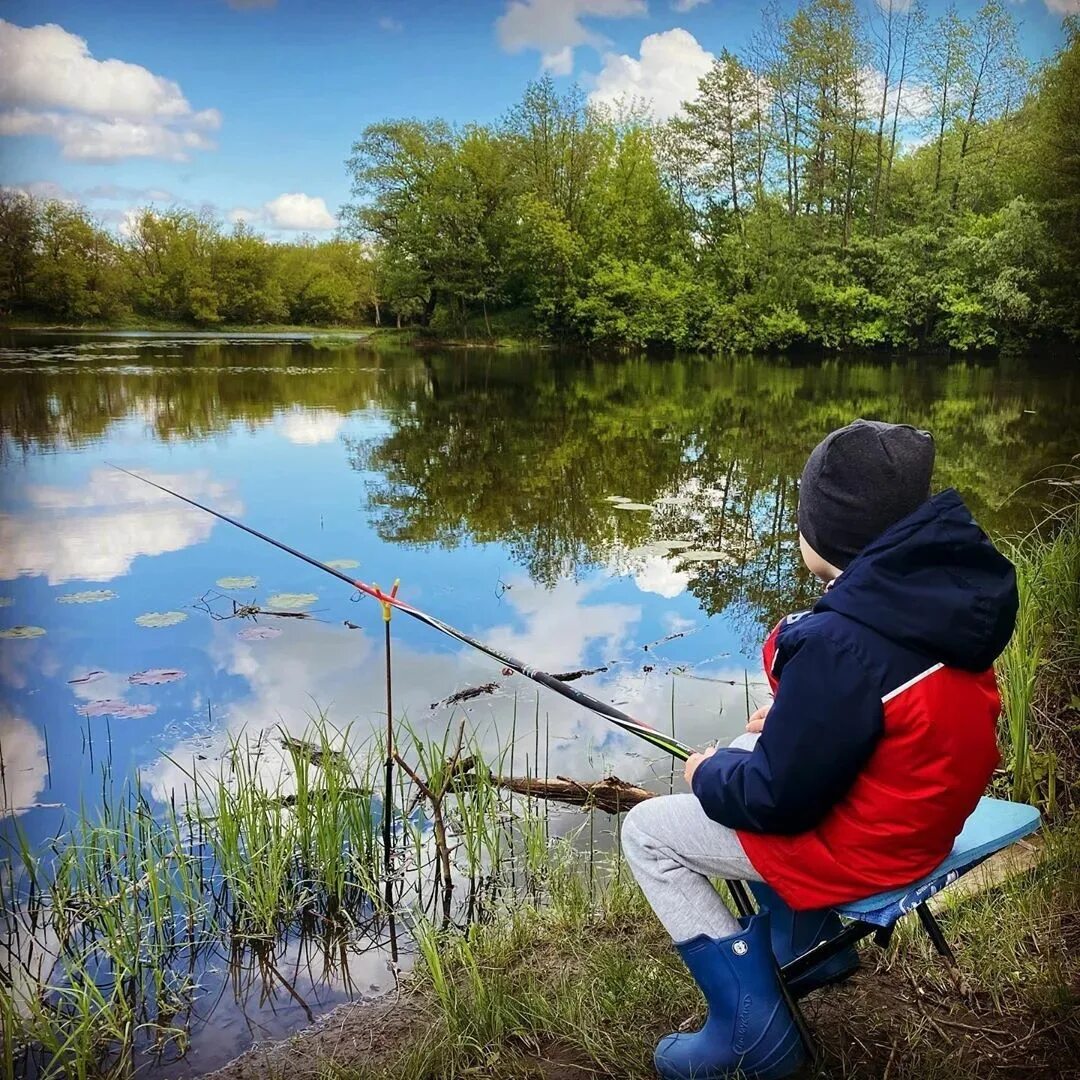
[631,516]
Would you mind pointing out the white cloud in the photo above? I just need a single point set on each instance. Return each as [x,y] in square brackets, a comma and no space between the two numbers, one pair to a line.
[391,25]
[916,99]
[121,192]
[128,219]
[96,110]
[687,5]
[95,532]
[83,138]
[559,63]
[293,211]
[559,626]
[25,766]
[308,427]
[1063,7]
[666,75]
[44,189]
[555,28]
[657,574]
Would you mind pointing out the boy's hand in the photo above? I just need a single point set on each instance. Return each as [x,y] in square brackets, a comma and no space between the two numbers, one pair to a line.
[757,718]
[693,761]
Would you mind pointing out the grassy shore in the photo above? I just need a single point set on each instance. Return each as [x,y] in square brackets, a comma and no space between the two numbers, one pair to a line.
[543,959]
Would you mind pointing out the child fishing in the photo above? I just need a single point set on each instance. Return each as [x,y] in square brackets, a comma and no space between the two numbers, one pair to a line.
[879,741]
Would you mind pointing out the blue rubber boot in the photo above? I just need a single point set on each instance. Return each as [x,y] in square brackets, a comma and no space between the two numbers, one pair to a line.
[749,1031]
[796,932]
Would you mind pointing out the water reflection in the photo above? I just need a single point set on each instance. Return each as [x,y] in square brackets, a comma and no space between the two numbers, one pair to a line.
[93,532]
[25,768]
[634,517]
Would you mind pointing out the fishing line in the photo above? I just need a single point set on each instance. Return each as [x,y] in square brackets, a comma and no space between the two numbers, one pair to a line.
[579,697]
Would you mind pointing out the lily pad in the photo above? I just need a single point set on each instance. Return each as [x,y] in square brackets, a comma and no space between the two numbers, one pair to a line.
[22,632]
[161,618]
[258,633]
[116,707]
[704,555]
[89,677]
[292,601]
[6,601]
[157,676]
[616,499]
[343,564]
[632,506]
[237,582]
[92,596]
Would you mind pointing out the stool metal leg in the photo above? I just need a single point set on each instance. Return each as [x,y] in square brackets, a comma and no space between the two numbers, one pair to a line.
[741,898]
[796,1014]
[930,925]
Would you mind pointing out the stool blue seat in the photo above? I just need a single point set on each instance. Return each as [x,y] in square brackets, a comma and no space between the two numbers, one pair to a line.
[993,825]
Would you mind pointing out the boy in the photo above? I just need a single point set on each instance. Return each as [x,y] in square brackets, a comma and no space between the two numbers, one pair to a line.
[876,748]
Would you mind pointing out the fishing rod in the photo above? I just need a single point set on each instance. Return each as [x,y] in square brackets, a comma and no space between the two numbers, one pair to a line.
[602,708]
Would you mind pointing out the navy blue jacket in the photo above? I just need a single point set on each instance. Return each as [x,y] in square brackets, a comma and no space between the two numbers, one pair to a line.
[931,589]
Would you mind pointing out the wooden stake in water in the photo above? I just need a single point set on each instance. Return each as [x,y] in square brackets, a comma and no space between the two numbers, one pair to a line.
[671,780]
[388,795]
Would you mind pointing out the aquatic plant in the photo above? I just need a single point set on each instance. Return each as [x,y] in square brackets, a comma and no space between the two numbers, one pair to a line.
[158,619]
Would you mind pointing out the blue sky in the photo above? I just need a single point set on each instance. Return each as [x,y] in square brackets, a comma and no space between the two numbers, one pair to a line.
[250,106]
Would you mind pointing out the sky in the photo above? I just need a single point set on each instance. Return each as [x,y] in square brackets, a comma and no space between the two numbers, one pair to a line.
[249,107]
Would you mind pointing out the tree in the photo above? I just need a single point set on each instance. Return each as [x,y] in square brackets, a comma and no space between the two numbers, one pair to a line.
[947,57]
[75,275]
[988,76]
[170,260]
[896,41]
[245,278]
[553,145]
[723,121]
[19,237]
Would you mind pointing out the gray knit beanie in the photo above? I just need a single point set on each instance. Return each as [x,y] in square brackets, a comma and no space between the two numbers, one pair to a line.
[858,481]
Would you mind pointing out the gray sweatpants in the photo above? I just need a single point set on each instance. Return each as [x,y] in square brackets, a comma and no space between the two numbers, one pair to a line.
[673,850]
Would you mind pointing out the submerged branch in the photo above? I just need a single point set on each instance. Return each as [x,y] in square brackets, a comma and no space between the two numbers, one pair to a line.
[612,795]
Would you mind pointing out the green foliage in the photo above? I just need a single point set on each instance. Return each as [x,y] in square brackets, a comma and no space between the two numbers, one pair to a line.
[57,263]
[780,210]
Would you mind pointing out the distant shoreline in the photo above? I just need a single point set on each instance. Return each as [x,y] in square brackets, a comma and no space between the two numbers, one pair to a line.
[374,336]
[155,329]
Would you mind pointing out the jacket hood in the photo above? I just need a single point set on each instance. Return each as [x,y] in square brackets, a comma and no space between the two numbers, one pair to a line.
[934,583]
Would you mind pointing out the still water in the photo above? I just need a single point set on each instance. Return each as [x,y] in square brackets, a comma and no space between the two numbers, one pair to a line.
[633,516]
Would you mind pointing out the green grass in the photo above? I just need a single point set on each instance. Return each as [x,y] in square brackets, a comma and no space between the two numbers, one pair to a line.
[1034,670]
[103,927]
[591,982]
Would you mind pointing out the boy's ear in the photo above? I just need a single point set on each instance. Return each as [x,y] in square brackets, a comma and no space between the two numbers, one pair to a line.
[819,567]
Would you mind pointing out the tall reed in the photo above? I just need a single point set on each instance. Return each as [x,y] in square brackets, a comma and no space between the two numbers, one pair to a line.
[1043,645]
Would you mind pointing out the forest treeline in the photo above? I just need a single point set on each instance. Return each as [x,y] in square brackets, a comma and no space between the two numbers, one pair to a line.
[853,179]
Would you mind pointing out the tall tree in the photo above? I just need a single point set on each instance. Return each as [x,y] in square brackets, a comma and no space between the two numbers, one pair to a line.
[914,20]
[553,141]
[988,77]
[723,121]
[946,58]
[19,234]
